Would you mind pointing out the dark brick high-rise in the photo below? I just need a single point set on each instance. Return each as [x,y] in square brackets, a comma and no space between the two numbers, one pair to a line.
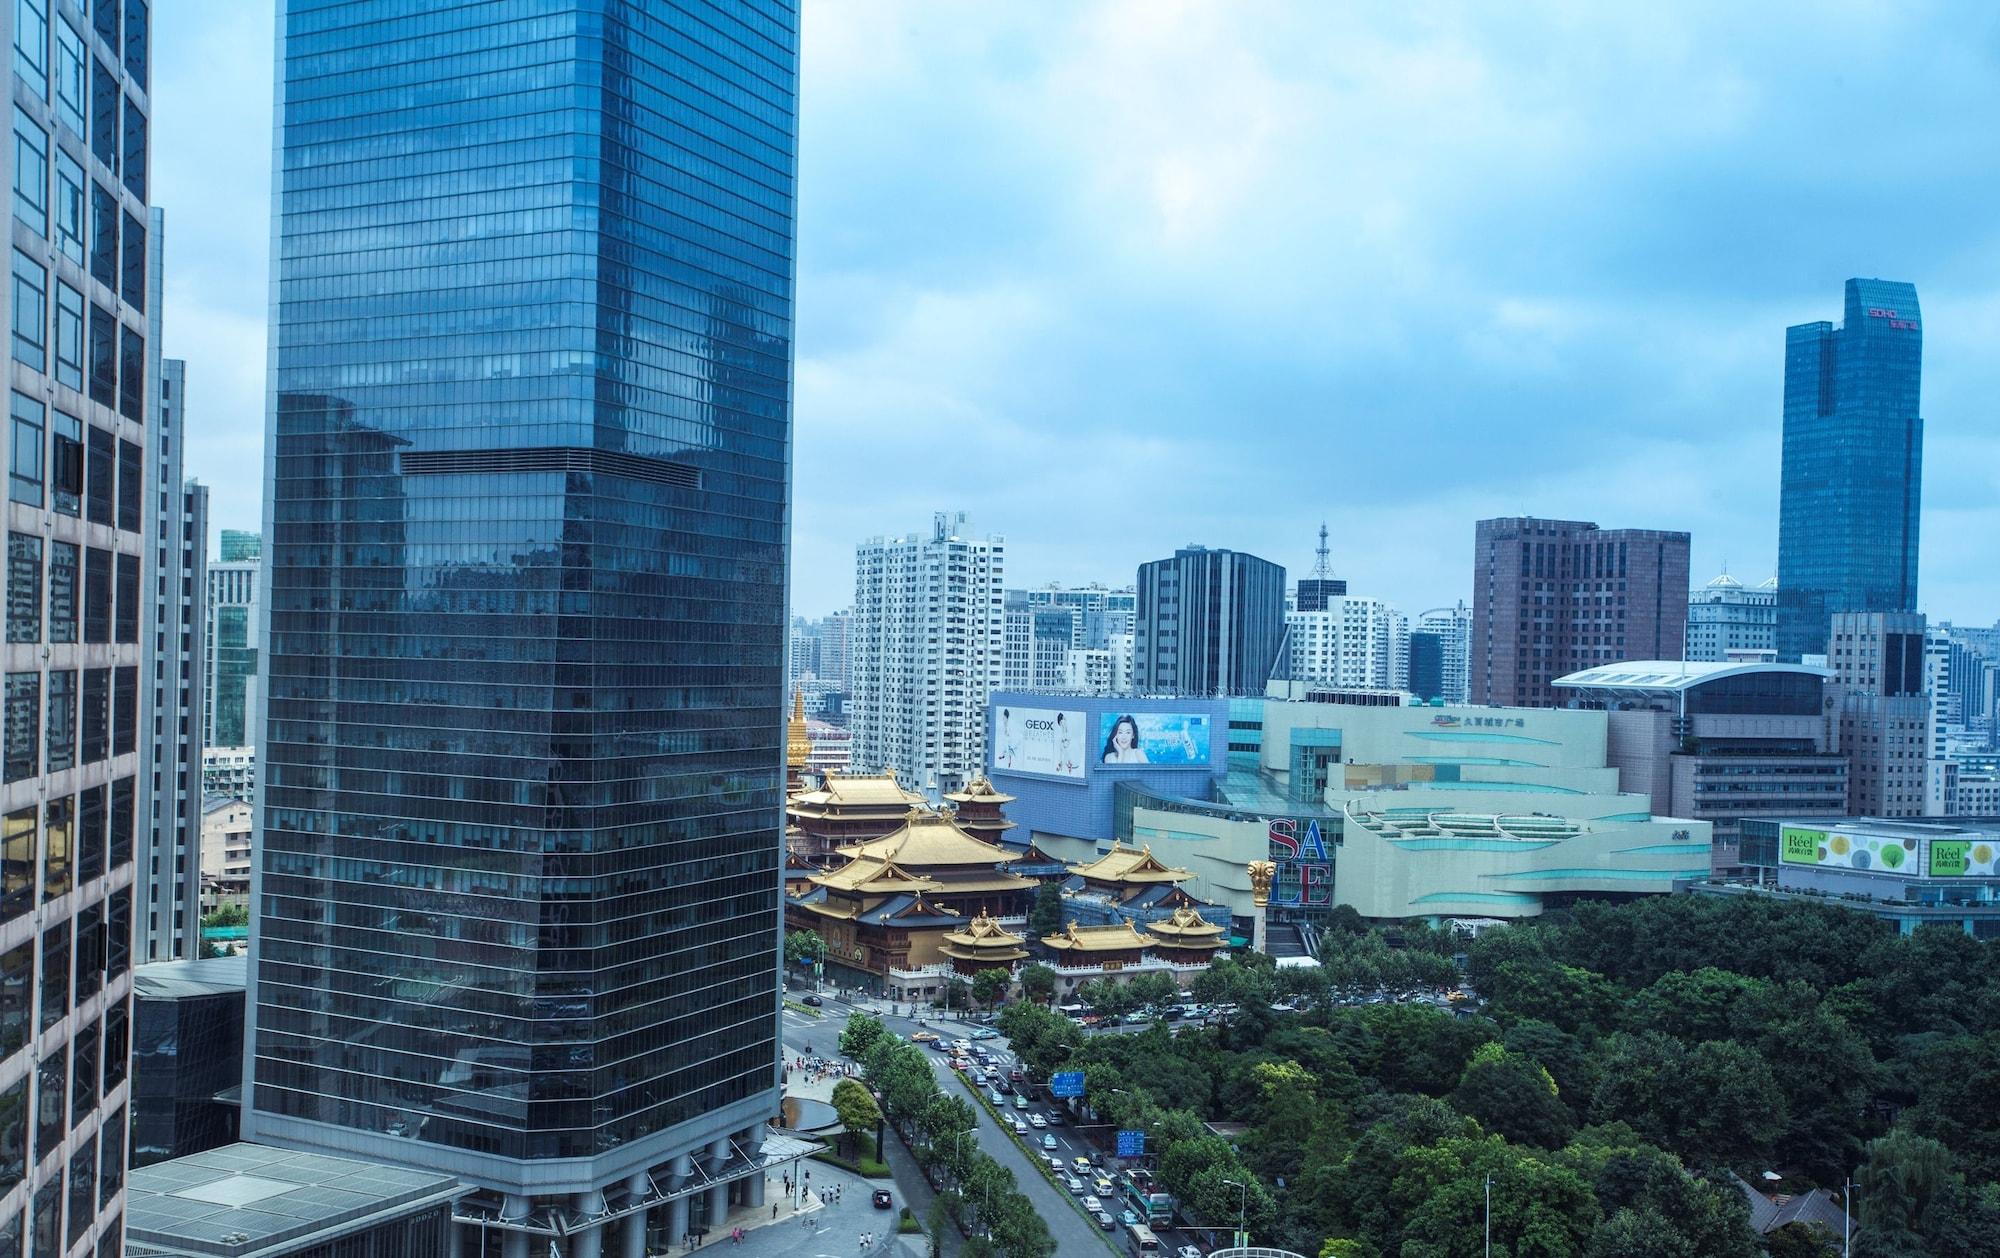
[1551,597]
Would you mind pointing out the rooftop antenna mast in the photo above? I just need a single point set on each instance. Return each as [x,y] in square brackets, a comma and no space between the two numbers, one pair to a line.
[1322,570]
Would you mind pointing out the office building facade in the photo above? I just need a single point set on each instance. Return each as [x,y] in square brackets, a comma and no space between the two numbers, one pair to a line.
[926,645]
[1879,675]
[1852,483]
[525,549]
[78,612]
[1727,620]
[1552,597]
[168,884]
[233,633]
[1207,622]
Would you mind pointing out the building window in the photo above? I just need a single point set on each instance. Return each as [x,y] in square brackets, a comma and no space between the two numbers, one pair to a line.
[69,207]
[66,465]
[17,1011]
[52,1085]
[24,587]
[135,150]
[104,100]
[95,734]
[58,836]
[121,821]
[92,817]
[132,265]
[83,1163]
[31,44]
[131,375]
[103,356]
[31,312]
[70,85]
[131,486]
[49,1200]
[112,1177]
[106,13]
[24,470]
[101,477]
[69,336]
[64,562]
[23,726]
[104,215]
[31,172]
[125,709]
[62,719]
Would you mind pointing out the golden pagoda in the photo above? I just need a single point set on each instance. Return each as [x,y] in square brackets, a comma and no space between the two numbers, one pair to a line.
[1187,938]
[978,809]
[982,944]
[798,746]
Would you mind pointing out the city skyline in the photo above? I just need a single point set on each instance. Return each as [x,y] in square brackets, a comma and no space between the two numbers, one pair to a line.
[1035,268]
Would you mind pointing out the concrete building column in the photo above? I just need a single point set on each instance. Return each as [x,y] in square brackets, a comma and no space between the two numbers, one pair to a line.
[751,1139]
[514,1244]
[587,1242]
[632,1230]
[677,1210]
[718,1196]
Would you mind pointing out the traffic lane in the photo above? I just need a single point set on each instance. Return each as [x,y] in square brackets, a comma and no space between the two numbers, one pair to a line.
[1073,1233]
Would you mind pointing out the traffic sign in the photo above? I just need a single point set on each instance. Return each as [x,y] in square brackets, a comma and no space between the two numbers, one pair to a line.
[1066,1083]
[1131,1144]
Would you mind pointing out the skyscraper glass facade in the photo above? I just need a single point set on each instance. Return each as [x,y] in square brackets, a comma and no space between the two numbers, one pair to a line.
[1853,465]
[71,786]
[525,536]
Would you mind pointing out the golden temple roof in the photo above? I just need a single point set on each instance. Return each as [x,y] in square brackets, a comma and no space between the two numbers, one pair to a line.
[1123,937]
[927,839]
[798,743]
[1127,864]
[984,939]
[856,792]
[1187,929]
[875,876]
[979,790]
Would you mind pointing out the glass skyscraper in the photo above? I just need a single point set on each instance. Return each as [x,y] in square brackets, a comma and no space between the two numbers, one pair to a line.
[519,836]
[1853,465]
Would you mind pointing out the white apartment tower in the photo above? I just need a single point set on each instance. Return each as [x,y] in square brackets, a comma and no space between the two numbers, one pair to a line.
[1350,641]
[1453,626]
[925,648]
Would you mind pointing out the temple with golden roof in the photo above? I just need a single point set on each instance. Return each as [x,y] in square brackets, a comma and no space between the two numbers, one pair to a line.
[978,809]
[845,808]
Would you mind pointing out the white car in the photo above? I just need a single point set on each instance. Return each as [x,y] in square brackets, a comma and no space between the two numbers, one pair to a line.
[1188,1251]
[1074,1185]
[1092,1204]
[1037,1121]
[1020,1128]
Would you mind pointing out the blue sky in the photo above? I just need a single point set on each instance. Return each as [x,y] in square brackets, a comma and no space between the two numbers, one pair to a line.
[1119,276]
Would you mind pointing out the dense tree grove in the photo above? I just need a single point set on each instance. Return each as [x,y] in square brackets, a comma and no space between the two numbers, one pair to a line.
[1628,1058]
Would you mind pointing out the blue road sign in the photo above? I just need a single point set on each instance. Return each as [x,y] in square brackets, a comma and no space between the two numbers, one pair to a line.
[1066,1083]
[1131,1144]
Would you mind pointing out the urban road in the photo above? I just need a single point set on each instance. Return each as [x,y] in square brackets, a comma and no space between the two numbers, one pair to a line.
[1074,1234]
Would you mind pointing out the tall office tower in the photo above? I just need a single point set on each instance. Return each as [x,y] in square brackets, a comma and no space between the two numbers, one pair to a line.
[925,646]
[1853,465]
[1878,667]
[1726,617]
[1099,612]
[1350,641]
[76,523]
[1944,714]
[238,546]
[1453,628]
[1036,641]
[1552,597]
[1208,622]
[1315,590]
[832,647]
[1426,665]
[234,629]
[517,858]
[168,883]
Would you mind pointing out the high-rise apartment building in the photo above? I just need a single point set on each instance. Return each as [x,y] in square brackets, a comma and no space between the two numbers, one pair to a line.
[1349,641]
[1852,484]
[830,649]
[1452,627]
[1552,597]
[168,884]
[234,630]
[518,842]
[1878,667]
[1099,612]
[1036,642]
[926,645]
[1208,622]
[77,606]
[1728,620]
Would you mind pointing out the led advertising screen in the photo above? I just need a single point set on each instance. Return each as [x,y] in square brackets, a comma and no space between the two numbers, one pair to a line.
[1800,846]
[1158,738]
[1040,740]
[1963,858]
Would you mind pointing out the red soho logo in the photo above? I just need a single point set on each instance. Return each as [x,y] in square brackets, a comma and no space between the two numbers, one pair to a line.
[1907,325]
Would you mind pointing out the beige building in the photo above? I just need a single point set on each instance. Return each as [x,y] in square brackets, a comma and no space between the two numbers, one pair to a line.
[225,850]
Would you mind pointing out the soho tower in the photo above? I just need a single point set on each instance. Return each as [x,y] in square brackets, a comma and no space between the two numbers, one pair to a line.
[518,843]
[1852,485]
[73,786]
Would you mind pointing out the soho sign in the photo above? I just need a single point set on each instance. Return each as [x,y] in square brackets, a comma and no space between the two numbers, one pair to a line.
[1305,870]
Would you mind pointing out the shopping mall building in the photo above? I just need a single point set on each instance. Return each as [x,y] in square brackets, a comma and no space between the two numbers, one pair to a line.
[1396,811]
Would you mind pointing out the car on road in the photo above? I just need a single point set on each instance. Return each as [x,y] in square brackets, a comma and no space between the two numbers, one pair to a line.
[1081,1163]
[1048,1142]
[985,1033]
[1105,1221]
[997,1098]
[1129,1219]
[941,1046]
[1020,1128]
[1092,1204]
[812,1001]
[1037,1121]
[1188,1251]
[1055,1118]
[1056,1167]
[924,1037]
[882,1199]
[956,1064]
[1072,1183]
[1020,1102]
[1104,1187]
[963,1046]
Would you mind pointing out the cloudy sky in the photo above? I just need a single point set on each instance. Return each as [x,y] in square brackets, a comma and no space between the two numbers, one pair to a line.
[1115,277]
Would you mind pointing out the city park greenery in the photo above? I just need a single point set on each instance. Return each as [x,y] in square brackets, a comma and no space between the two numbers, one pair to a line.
[1626,1061]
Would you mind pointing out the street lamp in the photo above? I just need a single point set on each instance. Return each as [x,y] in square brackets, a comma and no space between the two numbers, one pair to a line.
[1242,1199]
[1489,1216]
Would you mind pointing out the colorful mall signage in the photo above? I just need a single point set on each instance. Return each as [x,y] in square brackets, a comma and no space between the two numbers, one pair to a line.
[1305,869]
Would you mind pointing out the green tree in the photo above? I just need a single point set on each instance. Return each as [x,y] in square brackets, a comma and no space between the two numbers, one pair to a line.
[1801,1240]
[1038,982]
[1045,918]
[855,1106]
[861,1033]
[1717,1104]
[988,986]
[1514,1096]
[1904,1174]
[227,915]
[803,945]
[1152,989]
[1691,1007]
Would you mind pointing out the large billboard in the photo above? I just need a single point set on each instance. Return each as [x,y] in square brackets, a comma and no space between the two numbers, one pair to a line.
[1040,740]
[1963,858]
[1799,845]
[1158,738]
